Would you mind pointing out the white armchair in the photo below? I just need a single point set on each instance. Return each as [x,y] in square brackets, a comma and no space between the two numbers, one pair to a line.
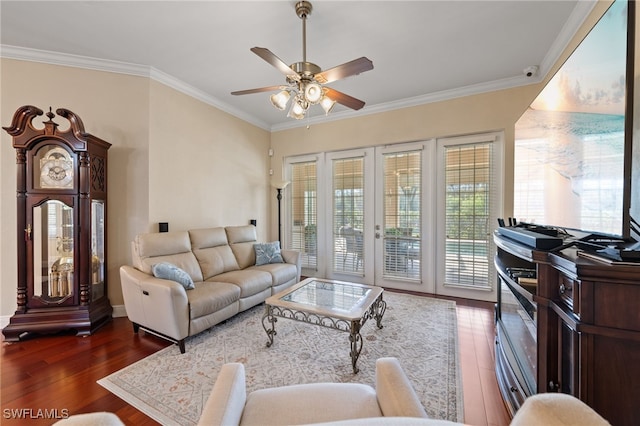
[229,403]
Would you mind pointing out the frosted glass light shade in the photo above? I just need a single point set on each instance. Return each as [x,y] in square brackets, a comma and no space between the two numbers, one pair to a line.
[327,104]
[280,184]
[297,110]
[279,100]
[313,93]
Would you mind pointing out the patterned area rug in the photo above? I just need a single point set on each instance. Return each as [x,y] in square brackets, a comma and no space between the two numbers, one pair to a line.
[421,332]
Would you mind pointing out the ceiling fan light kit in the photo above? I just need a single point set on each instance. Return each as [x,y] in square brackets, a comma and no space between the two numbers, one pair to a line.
[279,100]
[305,80]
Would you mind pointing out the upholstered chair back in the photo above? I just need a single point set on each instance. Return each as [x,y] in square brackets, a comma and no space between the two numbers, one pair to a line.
[171,247]
[241,239]
[212,250]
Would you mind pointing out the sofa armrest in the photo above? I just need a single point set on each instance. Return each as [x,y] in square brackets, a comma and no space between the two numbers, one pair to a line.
[293,257]
[556,409]
[227,399]
[158,304]
[396,395]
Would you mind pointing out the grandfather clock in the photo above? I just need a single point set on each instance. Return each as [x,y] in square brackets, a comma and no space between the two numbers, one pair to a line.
[62,226]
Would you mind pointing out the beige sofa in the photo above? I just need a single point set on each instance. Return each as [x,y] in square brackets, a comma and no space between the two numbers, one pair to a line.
[221,262]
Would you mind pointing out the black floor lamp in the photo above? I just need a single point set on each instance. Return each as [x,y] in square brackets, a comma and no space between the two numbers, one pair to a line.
[279,186]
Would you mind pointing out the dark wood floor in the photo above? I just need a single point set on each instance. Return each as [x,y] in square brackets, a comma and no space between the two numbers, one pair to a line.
[483,404]
[48,375]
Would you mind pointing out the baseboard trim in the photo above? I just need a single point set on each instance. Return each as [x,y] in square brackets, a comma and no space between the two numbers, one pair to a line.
[118,312]
[4,320]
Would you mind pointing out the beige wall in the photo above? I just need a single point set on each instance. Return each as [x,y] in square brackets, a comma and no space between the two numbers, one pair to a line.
[173,159]
[206,167]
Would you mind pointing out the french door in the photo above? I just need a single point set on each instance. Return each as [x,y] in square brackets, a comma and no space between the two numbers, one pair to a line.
[404,225]
[414,216]
[349,217]
[377,227]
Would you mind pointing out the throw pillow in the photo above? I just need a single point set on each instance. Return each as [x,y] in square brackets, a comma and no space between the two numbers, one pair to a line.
[268,253]
[169,271]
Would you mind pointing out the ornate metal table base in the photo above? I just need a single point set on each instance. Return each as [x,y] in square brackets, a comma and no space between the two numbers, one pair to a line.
[376,310]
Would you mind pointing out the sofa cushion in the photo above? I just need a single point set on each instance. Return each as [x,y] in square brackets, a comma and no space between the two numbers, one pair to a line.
[162,244]
[268,253]
[208,297]
[212,250]
[310,403]
[208,237]
[216,260]
[280,272]
[241,240]
[169,271]
[171,247]
[250,281]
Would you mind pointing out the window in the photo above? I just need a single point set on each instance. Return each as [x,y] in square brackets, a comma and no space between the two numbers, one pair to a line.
[402,214]
[304,213]
[348,214]
[468,201]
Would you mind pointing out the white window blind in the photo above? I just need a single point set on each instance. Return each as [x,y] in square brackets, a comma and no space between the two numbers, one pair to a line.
[304,214]
[348,215]
[402,214]
[470,183]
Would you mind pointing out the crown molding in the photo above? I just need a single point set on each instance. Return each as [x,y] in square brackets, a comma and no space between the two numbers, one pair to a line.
[578,17]
[96,64]
[69,60]
[444,95]
[198,94]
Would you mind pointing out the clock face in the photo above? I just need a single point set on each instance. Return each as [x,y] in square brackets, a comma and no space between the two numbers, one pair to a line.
[56,169]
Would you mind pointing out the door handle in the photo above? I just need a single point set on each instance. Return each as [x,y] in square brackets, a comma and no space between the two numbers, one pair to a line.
[377,235]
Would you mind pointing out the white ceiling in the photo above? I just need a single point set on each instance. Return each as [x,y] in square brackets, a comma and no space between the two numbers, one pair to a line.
[422,51]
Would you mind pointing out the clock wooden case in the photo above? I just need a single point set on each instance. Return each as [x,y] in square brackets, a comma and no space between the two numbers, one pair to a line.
[62,226]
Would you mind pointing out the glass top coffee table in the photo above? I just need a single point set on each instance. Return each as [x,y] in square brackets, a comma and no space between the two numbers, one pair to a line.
[333,304]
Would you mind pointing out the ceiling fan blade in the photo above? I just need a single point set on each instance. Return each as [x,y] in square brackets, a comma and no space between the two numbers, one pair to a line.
[258,90]
[268,56]
[347,69]
[344,99]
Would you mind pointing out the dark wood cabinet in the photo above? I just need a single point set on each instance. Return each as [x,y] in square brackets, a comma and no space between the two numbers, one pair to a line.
[62,221]
[588,329]
[594,351]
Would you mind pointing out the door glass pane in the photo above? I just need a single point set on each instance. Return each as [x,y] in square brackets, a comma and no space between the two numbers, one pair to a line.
[348,215]
[304,215]
[53,251]
[402,214]
[468,180]
[97,249]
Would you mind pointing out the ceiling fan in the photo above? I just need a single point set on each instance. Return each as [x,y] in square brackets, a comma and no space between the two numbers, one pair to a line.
[306,80]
